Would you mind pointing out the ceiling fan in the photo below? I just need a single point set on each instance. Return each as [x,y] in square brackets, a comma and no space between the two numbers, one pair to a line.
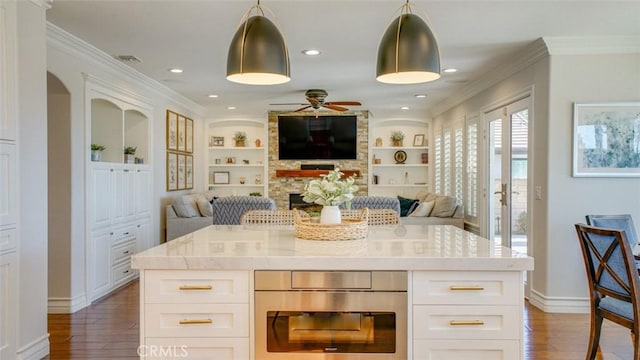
[315,100]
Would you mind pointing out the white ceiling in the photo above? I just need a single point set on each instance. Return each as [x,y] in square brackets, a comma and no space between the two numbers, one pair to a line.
[475,36]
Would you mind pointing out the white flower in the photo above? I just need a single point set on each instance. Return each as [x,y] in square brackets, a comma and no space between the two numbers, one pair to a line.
[330,190]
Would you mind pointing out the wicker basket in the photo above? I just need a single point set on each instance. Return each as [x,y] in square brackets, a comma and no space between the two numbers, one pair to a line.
[348,229]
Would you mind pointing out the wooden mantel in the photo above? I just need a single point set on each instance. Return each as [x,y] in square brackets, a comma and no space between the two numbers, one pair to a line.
[313,173]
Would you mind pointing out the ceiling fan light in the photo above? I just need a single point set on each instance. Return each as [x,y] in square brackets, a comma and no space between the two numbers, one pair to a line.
[258,54]
[408,52]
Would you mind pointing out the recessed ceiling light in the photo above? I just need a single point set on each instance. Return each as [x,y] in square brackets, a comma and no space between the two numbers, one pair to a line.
[175,70]
[231,107]
[213,96]
[404,108]
[450,70]
[421,96]
[311,52]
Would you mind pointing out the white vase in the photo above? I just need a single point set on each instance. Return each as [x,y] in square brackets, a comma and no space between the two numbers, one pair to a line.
[96,155]
[330,215]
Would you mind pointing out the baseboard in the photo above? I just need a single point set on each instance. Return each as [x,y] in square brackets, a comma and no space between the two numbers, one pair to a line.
[36,350]
[559,304]
[66,305]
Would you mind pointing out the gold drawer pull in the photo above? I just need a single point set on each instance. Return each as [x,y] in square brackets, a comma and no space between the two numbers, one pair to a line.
[196,287]
[195,321]
[465,323]
[464,288]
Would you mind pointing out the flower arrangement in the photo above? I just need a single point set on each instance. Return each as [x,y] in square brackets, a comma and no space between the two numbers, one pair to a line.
[96,147]
[397,136]
[130,150]
[240,136]
[330,190]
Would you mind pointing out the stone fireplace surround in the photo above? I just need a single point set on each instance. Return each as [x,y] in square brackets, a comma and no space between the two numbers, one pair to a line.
[281,187]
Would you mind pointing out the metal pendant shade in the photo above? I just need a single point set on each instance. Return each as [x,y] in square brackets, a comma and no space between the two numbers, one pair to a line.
[258,54]
[408,52]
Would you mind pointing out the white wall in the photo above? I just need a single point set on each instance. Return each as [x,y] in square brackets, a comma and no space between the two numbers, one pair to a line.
[68,58]
[32,335]
[582,79]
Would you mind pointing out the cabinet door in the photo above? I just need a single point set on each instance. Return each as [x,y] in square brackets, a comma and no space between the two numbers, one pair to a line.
[101,194]
[143,236]
[8,183]
[142,191]
[124,191]
[8,290]
[100,263]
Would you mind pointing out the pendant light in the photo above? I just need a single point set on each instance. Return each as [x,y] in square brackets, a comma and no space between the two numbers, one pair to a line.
[258,54]
[408,52]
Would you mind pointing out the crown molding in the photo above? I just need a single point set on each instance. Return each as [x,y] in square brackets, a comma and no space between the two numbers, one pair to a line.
[68,43]
[532,53]
[43,3]
[593,45]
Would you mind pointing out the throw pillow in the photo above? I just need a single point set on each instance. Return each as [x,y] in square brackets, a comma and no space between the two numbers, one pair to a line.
[444,206]
[424,209]
[185,206]
[405,205]
[205,207]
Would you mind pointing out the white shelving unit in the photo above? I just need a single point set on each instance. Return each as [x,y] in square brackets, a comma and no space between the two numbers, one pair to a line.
[230,165]
[389,176]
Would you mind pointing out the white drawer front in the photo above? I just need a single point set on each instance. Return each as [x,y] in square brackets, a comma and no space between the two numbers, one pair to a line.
[196,287]
[463,287]
[123,273]
[123,251]
[197,320]
[124,234]
[8,240]
[466,350]
[466,322]
[196,349]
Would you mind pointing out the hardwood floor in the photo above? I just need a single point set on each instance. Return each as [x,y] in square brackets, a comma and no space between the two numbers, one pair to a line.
[109,329]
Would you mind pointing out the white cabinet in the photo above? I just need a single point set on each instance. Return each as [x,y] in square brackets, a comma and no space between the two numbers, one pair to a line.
[237,170]
[398,169]
[459,315]
[8,290]
[100,263]
[199,314]
[8,184]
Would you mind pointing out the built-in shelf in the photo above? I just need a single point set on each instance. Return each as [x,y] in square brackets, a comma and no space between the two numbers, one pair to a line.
[313,173]
[399,165]
[237,165]
[400,148]
[397,185]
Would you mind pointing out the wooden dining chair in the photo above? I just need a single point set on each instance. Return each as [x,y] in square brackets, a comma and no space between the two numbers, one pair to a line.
[614,284]
[620,222]
[269,217]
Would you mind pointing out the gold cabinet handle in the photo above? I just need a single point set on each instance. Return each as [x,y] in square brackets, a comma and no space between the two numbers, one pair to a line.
[466,323]
[196,287]
[466,288]
[195,321]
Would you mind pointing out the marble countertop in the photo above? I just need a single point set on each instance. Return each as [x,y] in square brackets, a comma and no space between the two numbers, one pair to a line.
[394,247]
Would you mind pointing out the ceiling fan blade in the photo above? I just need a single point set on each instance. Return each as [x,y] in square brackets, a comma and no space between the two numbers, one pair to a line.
[302,108]
[335,107]
[354,103]
[299,104]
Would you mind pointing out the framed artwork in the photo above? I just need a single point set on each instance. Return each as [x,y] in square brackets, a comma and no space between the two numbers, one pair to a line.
[189,135]
[606,140]
[418,140]
[182,133]
[172,130]
[182,171]
[220,177]
[216,141]
[172,171]
[189,172]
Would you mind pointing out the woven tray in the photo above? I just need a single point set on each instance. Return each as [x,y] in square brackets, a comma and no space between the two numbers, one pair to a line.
[348,229]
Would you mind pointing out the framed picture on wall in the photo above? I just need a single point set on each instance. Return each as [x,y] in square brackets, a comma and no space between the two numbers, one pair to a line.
[605,140]
[172,130]
[172,171]
[189,172]
[220,177]
[182,133]
[189,135]
[182,171]
[418,140]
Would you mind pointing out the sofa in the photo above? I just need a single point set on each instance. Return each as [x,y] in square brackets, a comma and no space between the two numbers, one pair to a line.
[431,209]
[191,212]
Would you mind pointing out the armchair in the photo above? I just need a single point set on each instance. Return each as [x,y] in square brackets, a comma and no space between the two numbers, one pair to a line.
[229,210]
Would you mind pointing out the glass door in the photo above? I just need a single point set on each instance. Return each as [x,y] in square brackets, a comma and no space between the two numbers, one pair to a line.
[508,148]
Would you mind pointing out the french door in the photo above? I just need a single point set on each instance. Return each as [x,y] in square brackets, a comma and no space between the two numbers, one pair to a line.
[507,134]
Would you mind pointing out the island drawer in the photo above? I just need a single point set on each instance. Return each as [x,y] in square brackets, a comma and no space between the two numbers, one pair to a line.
[464,287]
[196,348]
[466,322]
[196,287]
[196,320]
[468,349]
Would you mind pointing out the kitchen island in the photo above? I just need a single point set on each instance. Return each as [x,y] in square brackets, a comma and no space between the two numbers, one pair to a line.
[464,294]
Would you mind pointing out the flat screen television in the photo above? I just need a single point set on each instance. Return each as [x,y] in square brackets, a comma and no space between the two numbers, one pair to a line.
[317,138]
